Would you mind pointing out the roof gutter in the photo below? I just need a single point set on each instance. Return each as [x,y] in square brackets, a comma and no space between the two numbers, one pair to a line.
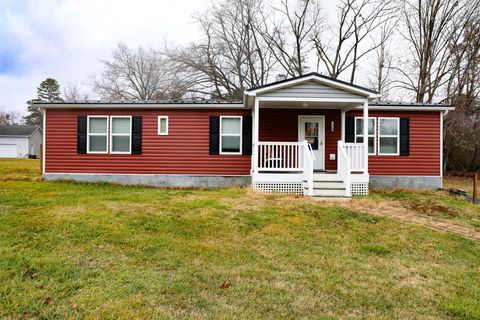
[140,106]
[409,108]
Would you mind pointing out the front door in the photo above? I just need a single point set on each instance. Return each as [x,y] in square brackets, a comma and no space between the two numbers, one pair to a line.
[311,128]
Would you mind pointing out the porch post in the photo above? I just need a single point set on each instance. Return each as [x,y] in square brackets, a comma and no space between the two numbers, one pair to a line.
[256,118]
[342,127]
[365,136]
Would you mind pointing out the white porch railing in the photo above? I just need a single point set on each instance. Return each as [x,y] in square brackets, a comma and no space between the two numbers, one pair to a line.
[355,152]
[280,156]
[344,167]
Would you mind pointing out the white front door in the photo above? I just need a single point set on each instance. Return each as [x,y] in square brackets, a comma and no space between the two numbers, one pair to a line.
[312,129]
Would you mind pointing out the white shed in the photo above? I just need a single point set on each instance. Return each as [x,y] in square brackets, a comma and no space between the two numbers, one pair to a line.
[20,141]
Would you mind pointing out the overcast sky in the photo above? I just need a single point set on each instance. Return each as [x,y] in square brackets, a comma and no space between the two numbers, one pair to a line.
[64,39]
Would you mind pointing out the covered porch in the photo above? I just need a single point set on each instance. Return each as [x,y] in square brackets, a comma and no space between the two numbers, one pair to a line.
[299,139]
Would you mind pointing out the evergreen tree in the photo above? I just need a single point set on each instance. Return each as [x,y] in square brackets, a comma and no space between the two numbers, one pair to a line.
[49,90]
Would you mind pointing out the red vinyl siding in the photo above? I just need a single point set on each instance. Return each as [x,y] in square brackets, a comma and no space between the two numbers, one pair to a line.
[282,125]
[424,158]
[184,151]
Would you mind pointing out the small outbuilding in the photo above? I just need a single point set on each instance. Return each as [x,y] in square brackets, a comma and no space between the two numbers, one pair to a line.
[20,141]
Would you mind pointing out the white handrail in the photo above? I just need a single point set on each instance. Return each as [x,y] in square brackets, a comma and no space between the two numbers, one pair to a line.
[344,167]
[280,156]
[308,171]
[355,152]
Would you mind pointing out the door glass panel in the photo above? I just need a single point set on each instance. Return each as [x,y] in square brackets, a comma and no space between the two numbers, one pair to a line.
[311,134]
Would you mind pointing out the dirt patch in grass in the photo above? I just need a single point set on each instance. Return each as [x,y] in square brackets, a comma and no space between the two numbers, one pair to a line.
[422,214]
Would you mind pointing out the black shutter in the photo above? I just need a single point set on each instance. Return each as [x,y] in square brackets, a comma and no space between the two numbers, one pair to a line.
[82,134]
[247,135]
[404,136]
[349,129]
[137,135]
[214,135]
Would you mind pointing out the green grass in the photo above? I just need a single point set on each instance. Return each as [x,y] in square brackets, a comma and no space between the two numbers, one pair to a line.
[100,251]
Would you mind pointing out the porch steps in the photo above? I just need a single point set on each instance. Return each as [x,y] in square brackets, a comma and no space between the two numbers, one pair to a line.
[327,188]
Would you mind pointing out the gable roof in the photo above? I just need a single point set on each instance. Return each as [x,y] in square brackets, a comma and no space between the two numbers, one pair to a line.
[18,130]
[314,76]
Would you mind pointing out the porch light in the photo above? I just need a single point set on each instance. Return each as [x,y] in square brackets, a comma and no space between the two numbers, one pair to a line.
[305,104]
[332,126]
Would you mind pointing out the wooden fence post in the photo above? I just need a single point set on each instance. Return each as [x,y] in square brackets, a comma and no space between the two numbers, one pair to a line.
[41,161]
[475,177]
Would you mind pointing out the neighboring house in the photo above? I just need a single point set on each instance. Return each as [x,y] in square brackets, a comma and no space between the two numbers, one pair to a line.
[20,141]
[303,135]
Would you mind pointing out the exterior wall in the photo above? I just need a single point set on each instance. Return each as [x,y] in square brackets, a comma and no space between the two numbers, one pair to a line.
[21,142]
[424,158]
[184,151]
[282,125]
[311,89]
[157,180]
[34,143]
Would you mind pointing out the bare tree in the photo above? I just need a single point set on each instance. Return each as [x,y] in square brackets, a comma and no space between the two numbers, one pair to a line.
[290,39]
[380,79]
[71,92]
[346,45]
[10,117]
[433,29]
[231,56]
[142,74]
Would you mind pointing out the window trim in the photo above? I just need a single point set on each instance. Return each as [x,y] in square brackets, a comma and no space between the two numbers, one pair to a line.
[158,126]
[121,135]
[97,134]
[374,136]
[230,135]
[389,136]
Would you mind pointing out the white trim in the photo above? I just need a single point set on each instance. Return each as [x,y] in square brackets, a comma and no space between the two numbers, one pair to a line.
[374,136]
[44,138]
[231,134]
[121,135]
[96,134]
[314,78]
[407,108]
[166,126]
[140,106]
[389,136]
[307,116]
[442,114]
[287,99]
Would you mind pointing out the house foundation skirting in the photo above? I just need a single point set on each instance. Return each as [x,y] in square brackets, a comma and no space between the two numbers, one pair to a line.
[157,180]
[411,182]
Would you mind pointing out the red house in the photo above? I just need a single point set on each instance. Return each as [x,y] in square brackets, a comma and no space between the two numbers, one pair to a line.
[302,135]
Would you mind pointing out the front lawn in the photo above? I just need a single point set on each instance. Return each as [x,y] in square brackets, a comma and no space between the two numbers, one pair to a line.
[100,251]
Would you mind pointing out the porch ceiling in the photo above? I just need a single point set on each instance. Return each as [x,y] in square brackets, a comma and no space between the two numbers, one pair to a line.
[310,105]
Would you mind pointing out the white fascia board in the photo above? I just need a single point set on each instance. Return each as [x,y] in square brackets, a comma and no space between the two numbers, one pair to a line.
[406,108]
[141,106]
[330,83]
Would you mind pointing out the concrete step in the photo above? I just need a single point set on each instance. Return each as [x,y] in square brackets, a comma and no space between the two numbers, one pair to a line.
[327,184]
[328,192]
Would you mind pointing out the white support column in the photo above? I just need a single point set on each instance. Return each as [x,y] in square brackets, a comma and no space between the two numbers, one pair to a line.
[256,121]
[342,127]
[365,135]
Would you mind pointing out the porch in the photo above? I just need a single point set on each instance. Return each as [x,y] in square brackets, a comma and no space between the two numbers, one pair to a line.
[299,139]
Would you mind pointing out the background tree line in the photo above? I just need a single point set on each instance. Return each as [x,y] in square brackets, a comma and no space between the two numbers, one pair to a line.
[424,51]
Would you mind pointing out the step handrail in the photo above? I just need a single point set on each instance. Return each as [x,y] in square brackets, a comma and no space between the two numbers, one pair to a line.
[344,167]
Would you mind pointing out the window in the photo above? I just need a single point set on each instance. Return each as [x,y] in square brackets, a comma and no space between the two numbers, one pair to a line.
[97,131]
[230,135]
[388,136]
[371,133]
[163,125]
[120,134]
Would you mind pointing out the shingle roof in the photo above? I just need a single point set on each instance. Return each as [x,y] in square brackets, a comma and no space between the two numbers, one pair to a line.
[17,130]
[173,101]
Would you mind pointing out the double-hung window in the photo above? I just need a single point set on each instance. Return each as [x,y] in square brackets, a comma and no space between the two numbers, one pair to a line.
[120,134]
[230,135]
[371,133]
[97,134]
[389,136]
